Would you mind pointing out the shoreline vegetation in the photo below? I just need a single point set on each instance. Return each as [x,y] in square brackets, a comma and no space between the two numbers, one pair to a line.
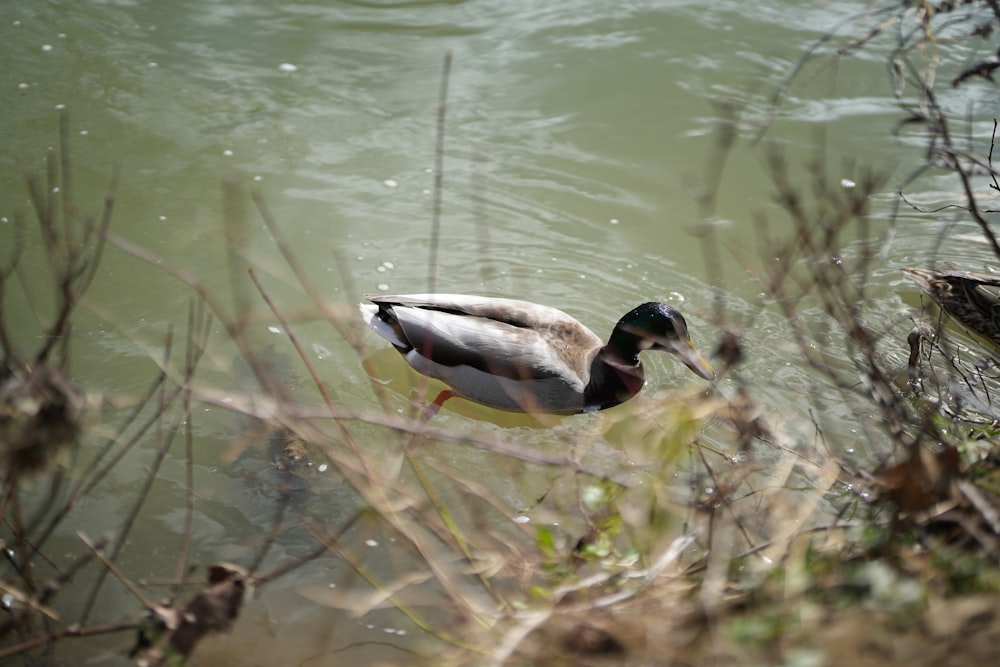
[717,531]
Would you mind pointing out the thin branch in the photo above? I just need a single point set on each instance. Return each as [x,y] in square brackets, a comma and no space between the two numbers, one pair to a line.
[435,239]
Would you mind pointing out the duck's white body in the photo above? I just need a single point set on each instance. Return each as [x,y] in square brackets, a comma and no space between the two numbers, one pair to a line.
[517,355]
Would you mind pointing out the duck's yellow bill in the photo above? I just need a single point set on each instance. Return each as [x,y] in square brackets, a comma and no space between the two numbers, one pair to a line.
[686,352]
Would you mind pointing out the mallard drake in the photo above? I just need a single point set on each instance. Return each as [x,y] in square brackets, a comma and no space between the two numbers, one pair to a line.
[973,299]
[523,357]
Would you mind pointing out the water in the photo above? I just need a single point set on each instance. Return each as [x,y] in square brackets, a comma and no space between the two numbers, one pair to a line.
[577,134]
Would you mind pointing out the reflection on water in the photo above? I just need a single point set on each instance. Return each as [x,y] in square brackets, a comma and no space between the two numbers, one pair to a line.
[577,139]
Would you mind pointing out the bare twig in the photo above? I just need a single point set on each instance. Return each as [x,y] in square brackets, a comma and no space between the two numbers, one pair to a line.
[163,446]
[435,236]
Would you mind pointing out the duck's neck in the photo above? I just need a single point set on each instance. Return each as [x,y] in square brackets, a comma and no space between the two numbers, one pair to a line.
[614,378]
[623,346]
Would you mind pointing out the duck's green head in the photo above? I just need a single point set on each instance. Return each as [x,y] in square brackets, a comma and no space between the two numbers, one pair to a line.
[657,326]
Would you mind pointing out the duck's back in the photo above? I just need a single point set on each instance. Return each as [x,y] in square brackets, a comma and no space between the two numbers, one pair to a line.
[515,312]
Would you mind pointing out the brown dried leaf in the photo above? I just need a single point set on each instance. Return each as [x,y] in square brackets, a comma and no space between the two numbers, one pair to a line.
[922,481]
[178,631]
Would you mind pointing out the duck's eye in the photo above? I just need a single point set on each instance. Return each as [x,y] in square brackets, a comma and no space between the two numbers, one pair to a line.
[646,344]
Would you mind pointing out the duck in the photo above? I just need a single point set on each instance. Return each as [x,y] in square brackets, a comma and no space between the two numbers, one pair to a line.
[972,299]
[520,356]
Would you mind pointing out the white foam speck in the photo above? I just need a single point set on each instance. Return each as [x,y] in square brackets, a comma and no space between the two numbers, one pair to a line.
[288,67]
[390,183]
[227,153]
[46,47]
[371,543]
[22,85]
[274,329]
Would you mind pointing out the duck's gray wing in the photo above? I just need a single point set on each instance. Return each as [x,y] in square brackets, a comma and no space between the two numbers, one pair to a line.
[515,312]
[493,347]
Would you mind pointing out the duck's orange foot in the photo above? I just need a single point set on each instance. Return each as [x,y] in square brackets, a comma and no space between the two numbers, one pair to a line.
[435,405]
